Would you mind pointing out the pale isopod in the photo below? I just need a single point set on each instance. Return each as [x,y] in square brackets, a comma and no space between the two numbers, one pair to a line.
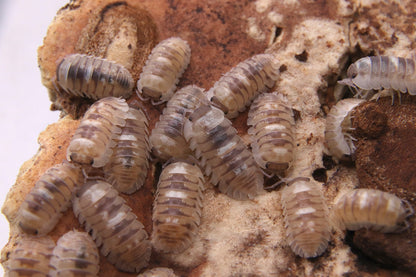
[93,77]
[372,209]
[113,226]
[306,218]
[223,153]
[164,67]
[49,198]
[177,207]
[75,254]
[158,272]
[271,122]
[236,89]
[167,137]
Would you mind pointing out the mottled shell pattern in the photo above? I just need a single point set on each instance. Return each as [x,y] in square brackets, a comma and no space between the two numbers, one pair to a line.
[223,154]
[177,207]
[158,272]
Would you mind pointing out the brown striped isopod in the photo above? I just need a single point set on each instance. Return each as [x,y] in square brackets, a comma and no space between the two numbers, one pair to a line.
[223,154]
[113,226]
[372,209]
[75,255]
[93,77]
[177,207]
[158,272]
[237,88]
[164,67]
[306,218]
[49,198]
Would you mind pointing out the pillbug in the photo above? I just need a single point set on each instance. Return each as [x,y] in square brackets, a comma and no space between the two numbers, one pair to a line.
[93,140]
[93,77]
[49,198]
[272,138]
[158,272]
[236,89]
[164,67]
[223,153]
[306,218]
[338,125]
[30,257]
[167,137]
[75,254]
[177,207]
[372,209]
[127,168]
[113,226]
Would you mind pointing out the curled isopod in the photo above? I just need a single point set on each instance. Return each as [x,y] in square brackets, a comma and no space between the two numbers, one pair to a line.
[272,138]
[127,167]
[372,209]
[93,77]
[158,272]
[49,198]
[306,218]
[338,127]
[177,207]
[75,254]
[164,67]
[237,88]
[223,154]
[167,137]
[93,141]
[113,226]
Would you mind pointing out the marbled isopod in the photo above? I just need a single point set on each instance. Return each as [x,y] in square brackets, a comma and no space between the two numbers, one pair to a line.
[49,198]
[306,218]
[223,153]
[338,125]
[113,226]
[158,272]
[177,207]
[127,167]
[93,77]
[167,137]
[164,67]
[271,132]
[30,257]
[93,141]
[75,255]
[372,209]
[237,88]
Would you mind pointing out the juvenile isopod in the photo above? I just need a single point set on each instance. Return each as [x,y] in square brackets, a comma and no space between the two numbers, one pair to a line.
[177,207]
[164,67]
[338,127]
[372,209]
[93,141]
[48,199]
[271,132]
[114,227]
[167,137]
[75,254]
[158,272]
[93,77]
[223,154]
[306,218]
[237,88]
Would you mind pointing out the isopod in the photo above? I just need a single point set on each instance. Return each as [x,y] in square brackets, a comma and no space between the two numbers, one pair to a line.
[372,209]
[93,141]
[306,218]
[164,67]
[49,198]
[113,226]
[167,137]
[237,88]
[272,138]
[158,272]
[338,127]
[93,77]
[177,207]
[223,154]
[127,167]
[75,254]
